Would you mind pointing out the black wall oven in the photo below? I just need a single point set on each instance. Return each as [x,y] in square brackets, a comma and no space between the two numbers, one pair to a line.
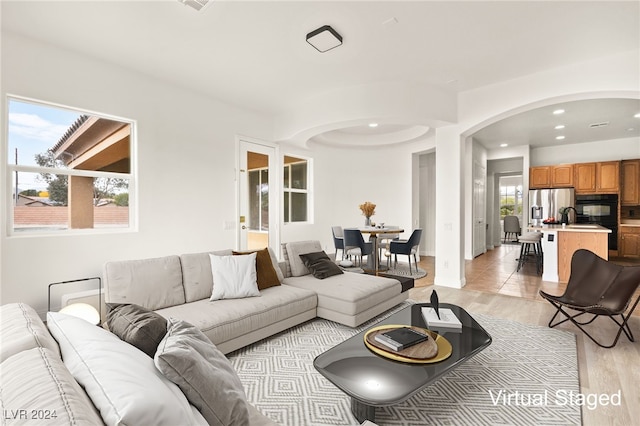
[601,209]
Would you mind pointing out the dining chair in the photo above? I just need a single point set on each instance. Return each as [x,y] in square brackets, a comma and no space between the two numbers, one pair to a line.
[408,247]
[384,240]
[354,244]
[511,227]
[599,288]
[338,240]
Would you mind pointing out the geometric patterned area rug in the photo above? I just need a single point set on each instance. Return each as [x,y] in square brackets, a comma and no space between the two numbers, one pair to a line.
[400,269]
[527,376]
[403,271]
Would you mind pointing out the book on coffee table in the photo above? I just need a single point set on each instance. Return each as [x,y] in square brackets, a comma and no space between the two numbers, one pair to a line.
[401,338]
[447,318]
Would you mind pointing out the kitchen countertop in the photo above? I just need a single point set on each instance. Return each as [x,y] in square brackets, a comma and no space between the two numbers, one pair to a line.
[574,227]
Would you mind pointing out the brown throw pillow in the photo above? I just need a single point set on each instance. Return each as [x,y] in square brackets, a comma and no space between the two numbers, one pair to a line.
[137,326]
[320,265]
[266,273]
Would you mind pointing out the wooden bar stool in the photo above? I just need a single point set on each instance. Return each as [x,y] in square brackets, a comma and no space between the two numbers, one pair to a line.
[529,241]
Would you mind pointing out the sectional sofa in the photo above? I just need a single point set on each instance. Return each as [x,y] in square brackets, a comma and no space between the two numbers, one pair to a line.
[71,372]
[180,287]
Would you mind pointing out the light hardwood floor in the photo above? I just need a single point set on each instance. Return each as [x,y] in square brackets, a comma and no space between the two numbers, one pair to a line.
[495,288]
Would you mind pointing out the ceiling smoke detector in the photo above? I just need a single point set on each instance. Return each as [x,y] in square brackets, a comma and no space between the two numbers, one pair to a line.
[596,125]
[196,4]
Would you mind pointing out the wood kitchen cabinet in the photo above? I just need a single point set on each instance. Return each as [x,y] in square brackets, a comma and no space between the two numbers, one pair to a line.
[630,183]
[603,177]
[629,241]
[559,176]
[608,177]
[540,177]
[585,179]
[562,176]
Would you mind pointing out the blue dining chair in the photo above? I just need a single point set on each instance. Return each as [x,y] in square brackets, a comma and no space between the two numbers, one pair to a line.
[408,247]
[354,244]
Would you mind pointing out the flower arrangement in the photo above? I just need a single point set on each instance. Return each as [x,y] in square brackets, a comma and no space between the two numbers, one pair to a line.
[368,209]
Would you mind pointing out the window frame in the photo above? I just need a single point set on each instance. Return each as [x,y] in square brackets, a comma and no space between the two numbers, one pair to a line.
[516,204]
[261,194]
[11,169]
[287,190]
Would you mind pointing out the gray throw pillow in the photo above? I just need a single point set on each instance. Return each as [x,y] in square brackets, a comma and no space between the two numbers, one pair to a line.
[137,326]
[188,358]
[320,265]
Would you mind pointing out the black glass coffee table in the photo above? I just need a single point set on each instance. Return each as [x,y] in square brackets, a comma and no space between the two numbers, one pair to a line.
[374,381]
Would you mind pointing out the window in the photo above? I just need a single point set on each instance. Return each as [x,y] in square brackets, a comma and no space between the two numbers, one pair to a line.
[510,196]
[259,199]
[69,169]
[296,189]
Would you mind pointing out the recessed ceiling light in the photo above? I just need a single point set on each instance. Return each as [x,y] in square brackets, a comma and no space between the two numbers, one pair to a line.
[558,112]
[637,115]
[559,138]
[631,129]
[559,126]
[503,145]
[373,124]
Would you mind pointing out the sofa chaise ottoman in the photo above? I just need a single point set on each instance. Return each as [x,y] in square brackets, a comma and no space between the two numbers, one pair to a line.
[348,298]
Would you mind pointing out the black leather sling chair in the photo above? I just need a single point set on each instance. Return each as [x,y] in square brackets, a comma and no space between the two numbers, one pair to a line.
[599,288]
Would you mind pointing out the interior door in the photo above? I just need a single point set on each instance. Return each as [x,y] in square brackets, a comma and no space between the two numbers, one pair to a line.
[257,196]
[479,210]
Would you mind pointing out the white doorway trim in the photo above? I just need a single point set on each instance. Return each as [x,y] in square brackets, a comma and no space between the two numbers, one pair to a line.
[275,187]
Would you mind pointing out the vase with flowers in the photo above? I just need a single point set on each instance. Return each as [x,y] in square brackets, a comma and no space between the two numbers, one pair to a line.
[368,209]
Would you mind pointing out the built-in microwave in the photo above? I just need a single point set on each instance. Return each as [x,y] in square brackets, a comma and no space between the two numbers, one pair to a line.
[601,209]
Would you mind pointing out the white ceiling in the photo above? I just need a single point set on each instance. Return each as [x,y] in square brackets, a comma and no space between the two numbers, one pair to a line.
[537,127]
[254,54]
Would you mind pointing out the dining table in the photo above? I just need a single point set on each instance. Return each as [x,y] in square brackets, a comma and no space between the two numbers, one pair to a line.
[373,263]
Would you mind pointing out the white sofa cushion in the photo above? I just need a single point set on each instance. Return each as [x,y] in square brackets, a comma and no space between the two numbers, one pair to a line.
[151,283]
[21,328]
[196,274]
[188,358]
[349,293]
[38,389]
[295,249]
[234,277]
[122,381]
[223,321]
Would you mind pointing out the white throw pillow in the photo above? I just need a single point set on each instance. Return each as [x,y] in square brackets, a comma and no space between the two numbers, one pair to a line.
[234,277]
[122,381]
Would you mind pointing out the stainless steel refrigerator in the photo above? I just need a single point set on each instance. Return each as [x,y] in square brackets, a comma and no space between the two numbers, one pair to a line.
[546,203]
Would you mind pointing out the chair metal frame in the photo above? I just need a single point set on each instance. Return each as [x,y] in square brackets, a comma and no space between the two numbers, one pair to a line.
[597,309]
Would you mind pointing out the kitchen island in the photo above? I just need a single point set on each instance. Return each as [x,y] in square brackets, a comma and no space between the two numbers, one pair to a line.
[560,242]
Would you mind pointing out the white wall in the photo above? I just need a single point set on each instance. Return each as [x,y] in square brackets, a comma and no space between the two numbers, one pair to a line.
[186,161]
[427,202]
[186,158]
[607,150]
[345,178]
